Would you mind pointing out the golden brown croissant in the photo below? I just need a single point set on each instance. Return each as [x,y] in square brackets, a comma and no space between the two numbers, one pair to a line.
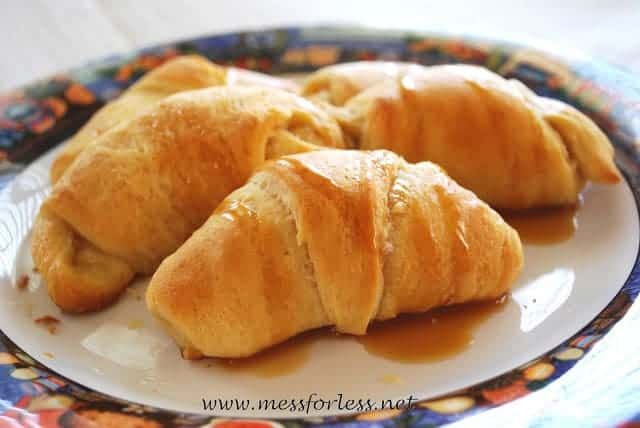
[514,149]
[180,74]
[334,237]
[337,84]
[136,193]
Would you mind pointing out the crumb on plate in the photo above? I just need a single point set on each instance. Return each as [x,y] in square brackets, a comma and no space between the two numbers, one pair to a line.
[49,322]
[23,282]
[390,379]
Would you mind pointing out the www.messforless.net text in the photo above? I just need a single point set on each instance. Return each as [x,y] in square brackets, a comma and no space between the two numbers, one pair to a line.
[313,403]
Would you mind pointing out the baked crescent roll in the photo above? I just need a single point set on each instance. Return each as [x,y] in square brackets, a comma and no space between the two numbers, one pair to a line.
[337,84]
[180,74]
[136,193]
[514,149]
[331,238]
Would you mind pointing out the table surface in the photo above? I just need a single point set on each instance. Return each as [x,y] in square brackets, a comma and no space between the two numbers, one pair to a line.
[41,37]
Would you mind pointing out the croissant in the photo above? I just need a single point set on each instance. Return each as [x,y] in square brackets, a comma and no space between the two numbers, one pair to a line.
[332,238]
[337,84]
[180,74]
[514,149]
[136,193]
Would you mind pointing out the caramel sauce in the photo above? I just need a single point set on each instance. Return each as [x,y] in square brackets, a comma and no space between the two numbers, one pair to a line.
[428,337]
[545,225]
[279,360]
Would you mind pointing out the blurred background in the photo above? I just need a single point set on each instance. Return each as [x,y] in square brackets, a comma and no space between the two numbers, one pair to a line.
[40,37]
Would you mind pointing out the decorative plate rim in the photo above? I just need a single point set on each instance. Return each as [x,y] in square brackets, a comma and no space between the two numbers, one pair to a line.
[38,116]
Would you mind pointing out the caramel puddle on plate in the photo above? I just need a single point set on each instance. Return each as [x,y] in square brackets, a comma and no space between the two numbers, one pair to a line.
[545,225]
[432,336]
[427,337]
[278,360]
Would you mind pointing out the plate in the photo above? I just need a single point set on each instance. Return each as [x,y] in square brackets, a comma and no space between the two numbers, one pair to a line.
[118,365]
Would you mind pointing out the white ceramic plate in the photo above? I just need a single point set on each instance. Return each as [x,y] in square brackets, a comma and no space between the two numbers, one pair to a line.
[122,351]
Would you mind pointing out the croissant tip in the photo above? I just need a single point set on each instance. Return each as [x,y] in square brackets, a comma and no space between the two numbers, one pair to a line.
[189,353]
[611,176]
